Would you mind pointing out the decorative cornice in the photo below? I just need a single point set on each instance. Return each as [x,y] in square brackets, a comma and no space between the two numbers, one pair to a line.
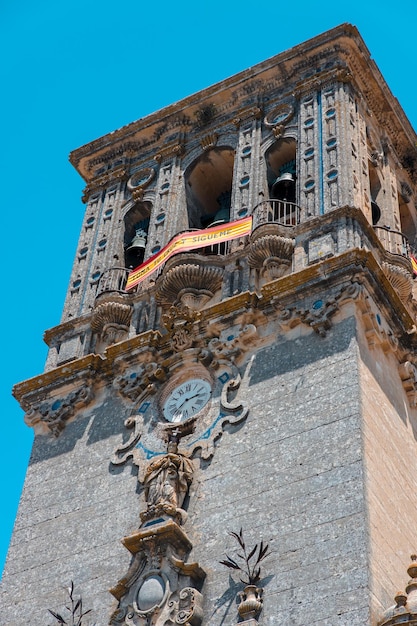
[168,151]
[54,413]
[246,114]
[359,265]
[105,180]
[342,45]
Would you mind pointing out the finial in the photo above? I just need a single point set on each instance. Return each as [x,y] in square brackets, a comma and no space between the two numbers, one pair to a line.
[401,598]
[412,568]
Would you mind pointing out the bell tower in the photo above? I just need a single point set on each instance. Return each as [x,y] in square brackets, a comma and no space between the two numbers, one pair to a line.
[225,430]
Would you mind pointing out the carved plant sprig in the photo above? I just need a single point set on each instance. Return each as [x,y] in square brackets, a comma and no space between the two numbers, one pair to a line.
[75,610]
[249,560]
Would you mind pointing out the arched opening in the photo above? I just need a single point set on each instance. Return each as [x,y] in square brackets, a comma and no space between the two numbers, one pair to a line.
[208,183]
[136,223]
[281,170]
[376,193]
[408,225]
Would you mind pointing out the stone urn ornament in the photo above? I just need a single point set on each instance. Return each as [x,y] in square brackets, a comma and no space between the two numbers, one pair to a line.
[248,563]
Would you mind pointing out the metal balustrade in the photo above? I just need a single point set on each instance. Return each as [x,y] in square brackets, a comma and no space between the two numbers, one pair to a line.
[393,240]
[278,212]
[113,279]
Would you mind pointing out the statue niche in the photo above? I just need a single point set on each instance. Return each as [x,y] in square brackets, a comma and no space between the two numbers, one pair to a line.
[166,482]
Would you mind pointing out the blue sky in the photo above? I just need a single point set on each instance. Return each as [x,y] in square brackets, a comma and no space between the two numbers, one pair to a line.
[73,71]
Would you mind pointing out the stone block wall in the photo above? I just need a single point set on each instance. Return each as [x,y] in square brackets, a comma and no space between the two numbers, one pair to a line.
[293,475]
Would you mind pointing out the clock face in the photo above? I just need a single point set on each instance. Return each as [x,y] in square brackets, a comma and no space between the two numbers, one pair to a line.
[186,400]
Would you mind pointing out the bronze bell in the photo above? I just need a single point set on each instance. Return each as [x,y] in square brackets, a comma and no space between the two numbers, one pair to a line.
[139,240]
[284,187]
[136,251]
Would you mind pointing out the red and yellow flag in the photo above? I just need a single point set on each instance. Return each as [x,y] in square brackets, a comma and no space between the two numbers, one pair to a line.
[414,264]
[184,242]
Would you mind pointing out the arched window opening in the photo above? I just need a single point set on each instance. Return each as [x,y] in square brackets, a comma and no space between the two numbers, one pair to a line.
[208,184]
[408,225]
[281,170]
[136,224]
[376,193]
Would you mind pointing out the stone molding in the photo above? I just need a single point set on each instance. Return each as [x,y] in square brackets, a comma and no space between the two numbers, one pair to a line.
[192,284]
[275,303]
[53,414]
[160,587]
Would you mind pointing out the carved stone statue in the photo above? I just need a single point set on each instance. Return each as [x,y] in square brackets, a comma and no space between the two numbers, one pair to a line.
[166,483]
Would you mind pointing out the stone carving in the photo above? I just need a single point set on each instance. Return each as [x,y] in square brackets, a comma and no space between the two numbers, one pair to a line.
[209,141]
[160,588]
[133,383]
[179,322]
[248,562]
[191,284]
[318,315]
[169,150]
[232,348]
[166,483]
[103,180]
[405,608]
[377,331]
[247,114]
[231,412]
[110,320]
[54,413]
[408,375]
[272,254]
[250,604]
[400,278]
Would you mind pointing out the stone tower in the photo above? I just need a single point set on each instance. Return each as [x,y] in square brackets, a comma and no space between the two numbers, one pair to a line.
[237,351]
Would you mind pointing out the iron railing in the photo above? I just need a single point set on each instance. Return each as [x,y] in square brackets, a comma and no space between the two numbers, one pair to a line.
[393,240]
[278,212]
[112,279]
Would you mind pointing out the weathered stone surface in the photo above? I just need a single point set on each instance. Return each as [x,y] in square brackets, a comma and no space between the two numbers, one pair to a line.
[312,449]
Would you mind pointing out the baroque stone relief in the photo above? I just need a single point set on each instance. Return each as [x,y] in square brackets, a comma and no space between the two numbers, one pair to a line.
[52,414]
[408,375]
[189,284]
[160,587]
[150,432]
[320,312]
[110,320]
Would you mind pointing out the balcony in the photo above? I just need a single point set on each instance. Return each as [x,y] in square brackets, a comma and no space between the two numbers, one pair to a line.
[393,241]
[112,280]
[276,212]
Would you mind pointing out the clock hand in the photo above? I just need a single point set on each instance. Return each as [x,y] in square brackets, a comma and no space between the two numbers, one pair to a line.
[187,400]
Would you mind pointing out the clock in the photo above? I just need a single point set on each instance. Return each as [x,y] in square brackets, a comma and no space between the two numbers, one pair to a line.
[186,400]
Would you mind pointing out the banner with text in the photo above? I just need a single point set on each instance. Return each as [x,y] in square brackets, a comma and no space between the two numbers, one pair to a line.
[184,242]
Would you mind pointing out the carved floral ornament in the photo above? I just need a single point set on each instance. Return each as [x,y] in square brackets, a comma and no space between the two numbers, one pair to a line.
[160,588]
[53,414]
[191,284]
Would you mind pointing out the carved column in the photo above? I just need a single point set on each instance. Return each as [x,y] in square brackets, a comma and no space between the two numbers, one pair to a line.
[168,198]
[246,169]
[309,155]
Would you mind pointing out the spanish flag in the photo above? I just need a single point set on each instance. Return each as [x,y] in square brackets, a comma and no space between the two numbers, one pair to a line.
[414,264]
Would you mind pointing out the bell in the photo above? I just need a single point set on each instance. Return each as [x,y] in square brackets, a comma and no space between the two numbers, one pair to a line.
[138,241]
[222,215]
[284,188]
[135,253]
